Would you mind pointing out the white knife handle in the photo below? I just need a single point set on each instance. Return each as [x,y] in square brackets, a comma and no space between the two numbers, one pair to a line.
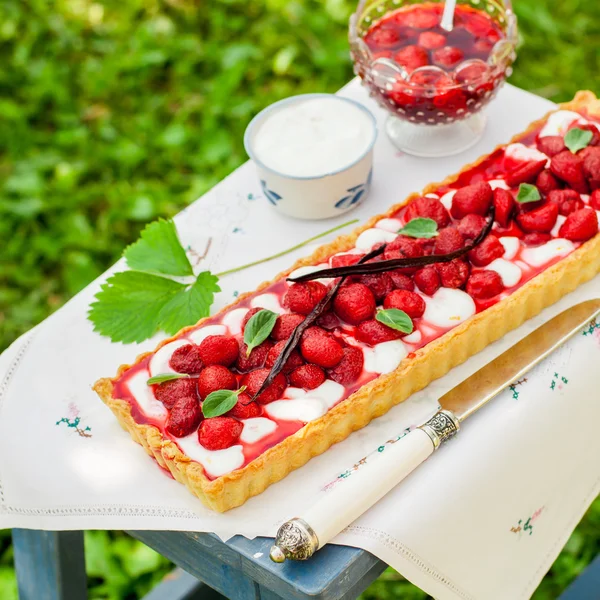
[299,538]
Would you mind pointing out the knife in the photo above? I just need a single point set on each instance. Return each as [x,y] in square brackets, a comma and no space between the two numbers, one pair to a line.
[300,537]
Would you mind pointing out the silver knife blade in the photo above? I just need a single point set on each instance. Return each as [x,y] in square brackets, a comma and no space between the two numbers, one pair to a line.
[475,391]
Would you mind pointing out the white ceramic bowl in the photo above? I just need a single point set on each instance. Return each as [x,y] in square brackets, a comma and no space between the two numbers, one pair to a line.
[314,197]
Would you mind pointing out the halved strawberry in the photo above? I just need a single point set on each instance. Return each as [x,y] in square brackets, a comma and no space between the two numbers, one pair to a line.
[551,144]
[431,40]
[505,204]
[540,219]
[411,57]
[448,56]
[472,199]
[373,332]
[568,201]
[525,173]
[569,167]
[546,182]
[580,225]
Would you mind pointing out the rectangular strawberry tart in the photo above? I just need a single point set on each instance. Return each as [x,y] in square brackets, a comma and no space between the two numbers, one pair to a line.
[367,320]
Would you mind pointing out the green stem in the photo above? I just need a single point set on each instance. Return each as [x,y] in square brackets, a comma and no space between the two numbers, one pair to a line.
[284,252]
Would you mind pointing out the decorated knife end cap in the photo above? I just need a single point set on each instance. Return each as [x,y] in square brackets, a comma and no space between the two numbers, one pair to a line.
[295,540]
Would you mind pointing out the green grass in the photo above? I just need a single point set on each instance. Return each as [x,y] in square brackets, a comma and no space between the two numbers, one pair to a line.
[113,113]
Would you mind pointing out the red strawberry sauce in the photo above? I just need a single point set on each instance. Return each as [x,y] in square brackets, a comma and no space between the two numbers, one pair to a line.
[494,167]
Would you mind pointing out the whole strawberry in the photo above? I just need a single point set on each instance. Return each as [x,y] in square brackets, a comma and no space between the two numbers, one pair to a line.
[254,380]
[567,201]
[213,378]
[354,303]
[540,219]
[303,297]
[448,56]
[186,359]
[345,260]
[428,280]
[170,391]
[591,165]
[536,238]
[349,369]
[380,284]
[403,247]
[219,350]
[472,225]
[184,417]
[486,252]
[410,302]
[219,433]
[411,57]
[245,408]
[285,325]
[484,284]
[307,377]
[569,168]
[448,240]
[430,208]
[322,350]
[431,40]
[580,225]
[373,332]
[257,357]
[401,280]
[595,200]
[293,362]
[249,315]
[453,274]
[472,199]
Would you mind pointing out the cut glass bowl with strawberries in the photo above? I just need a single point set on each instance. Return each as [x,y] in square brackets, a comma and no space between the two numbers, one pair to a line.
[433,82]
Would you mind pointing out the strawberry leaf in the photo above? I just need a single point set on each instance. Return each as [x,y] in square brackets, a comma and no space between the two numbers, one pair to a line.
[166,377]
[395,319]
[577,139]
[421,227]
[159,251]
[128,305]
[189,305]
[528,193]
[258,328]
[219,402]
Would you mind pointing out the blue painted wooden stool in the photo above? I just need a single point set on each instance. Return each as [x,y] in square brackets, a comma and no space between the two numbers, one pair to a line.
[50,566]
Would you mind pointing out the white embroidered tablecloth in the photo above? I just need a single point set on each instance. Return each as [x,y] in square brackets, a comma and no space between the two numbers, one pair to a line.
[483,519]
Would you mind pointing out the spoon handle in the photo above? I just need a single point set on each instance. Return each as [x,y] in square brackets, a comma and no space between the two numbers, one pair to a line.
[447,22]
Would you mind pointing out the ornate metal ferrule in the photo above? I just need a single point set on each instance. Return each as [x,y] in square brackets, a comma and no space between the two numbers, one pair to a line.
[295,540]
[441,427]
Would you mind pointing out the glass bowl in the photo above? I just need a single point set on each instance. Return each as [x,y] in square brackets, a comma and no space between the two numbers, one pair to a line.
[434,111]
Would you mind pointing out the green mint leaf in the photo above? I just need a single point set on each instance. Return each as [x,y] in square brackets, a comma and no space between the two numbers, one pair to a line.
[421,227]
[258,328]
[190,304]
[219,402]
[166,377]
[127,306]
[528,193]
[395,319]
[159,251]
[577,139]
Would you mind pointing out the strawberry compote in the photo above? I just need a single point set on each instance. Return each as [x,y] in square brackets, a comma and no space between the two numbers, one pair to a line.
[442,76]
[347,347]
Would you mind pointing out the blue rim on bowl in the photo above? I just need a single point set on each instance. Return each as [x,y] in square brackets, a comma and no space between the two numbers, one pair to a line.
[276,105]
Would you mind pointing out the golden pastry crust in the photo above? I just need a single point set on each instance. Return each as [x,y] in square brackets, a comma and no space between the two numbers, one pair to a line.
[375,398]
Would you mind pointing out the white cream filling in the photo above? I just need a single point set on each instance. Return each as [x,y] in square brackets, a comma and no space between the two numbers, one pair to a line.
[498,183]
[256,429]
[384,357]
[233,320]
[143,395]
[159,363]
[509,272]
[585,198]
[446,199]
[559,122]
[297,409]
[448,307]
[391,225]
[536,257]
[370,237]
[511,246]
[268,301]
[559,221]
[431,195]
[524,153]
[215,462]
[330,392]
[414,338]
[201,334]
[306,270]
